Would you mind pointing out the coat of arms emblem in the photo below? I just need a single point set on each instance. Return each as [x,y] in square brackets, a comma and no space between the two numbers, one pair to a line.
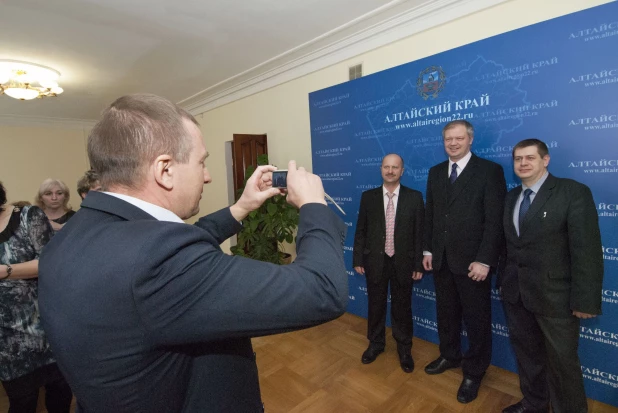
[430,82]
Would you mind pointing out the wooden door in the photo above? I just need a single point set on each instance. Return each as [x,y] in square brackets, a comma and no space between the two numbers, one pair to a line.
[245,150]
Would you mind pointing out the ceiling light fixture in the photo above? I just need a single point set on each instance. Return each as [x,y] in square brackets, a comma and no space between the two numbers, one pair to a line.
[25,81]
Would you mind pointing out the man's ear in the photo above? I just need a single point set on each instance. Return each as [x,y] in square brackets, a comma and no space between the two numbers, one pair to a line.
[163,168]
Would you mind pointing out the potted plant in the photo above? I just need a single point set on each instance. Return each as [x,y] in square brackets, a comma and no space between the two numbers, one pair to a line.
[267,228]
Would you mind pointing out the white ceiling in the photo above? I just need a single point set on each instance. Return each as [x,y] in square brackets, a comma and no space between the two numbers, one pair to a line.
[184,50]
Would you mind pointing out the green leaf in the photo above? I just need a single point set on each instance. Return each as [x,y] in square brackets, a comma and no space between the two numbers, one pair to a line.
[271,208]
[262,159]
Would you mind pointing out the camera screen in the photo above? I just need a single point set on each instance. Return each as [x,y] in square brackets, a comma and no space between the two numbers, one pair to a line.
[280,179]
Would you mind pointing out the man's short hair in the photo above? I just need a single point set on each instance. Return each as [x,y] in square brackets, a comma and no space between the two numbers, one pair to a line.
[133,131]
[47,185]
[454,123]
[541,147]
[87,182]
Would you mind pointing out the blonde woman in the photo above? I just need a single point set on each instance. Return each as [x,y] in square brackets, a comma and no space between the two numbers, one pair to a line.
[53,198]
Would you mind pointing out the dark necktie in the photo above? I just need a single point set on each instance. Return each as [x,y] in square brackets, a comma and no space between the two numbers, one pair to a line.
[524,206]
[453,173]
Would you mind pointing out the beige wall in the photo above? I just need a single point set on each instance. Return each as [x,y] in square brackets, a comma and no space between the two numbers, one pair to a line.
[28,155]
[283,111]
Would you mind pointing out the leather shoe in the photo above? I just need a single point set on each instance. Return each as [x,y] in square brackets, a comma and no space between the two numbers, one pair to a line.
[440,365]
[407,363]
[520,408]
[468,390]
[370,355]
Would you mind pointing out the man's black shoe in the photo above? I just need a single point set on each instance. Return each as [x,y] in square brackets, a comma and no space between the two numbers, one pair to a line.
[370,355]
[407,363]
[440,365]
[520,408]
[468,390]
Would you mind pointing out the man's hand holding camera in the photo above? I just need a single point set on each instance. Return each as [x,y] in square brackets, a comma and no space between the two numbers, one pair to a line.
[303,187]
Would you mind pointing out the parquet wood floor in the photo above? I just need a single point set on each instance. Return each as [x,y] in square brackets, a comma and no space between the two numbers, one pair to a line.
[318,370]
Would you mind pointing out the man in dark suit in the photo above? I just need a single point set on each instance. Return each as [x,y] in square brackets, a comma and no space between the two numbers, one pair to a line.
[144,312]
[552,278]
[388,250]
[463,239]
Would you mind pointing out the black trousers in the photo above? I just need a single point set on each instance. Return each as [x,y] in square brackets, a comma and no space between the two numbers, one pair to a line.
[23,392]
[401,308]
[459,297]
[547,359]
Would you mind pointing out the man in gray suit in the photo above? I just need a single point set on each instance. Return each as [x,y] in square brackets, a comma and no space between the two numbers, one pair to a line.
[552,278]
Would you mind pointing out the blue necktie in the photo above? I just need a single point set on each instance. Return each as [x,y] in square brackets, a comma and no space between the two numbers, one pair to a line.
[453,173]
[524,206]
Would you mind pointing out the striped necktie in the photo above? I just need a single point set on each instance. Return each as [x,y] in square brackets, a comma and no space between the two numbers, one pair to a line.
[389,246]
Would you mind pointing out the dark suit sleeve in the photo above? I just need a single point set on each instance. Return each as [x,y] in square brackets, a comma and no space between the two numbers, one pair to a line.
[503,251]
[586,252]
[220,224]
[360,236]
[428,230]
[493,229]
[417,232]
[197,293]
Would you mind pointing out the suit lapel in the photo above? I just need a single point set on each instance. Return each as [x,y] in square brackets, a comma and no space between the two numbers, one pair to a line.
[545,193]
[510,208]
[443,183]
[401,206]
[461,181]
[379,201]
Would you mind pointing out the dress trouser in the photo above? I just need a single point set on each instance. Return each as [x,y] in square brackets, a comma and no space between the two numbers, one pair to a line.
[401,308]
[547,359]
[23,392]
[459,297]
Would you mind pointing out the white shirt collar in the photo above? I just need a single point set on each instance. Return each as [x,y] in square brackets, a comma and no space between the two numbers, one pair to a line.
[461,164]
[156,211]
[537,185]
[396,191]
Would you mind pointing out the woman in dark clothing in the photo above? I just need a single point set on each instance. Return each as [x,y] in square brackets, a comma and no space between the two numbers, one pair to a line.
[26,361]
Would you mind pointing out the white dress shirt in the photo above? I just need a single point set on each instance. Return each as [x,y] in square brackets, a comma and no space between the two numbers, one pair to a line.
[395,199]
[461,164]
[156,211]
[535,190]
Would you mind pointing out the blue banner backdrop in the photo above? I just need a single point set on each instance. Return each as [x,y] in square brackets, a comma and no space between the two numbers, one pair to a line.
[556,80]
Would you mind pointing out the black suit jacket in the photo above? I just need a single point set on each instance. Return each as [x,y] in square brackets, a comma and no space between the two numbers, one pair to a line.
[151,316]
[556,264]
[370,235]
[464,219]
